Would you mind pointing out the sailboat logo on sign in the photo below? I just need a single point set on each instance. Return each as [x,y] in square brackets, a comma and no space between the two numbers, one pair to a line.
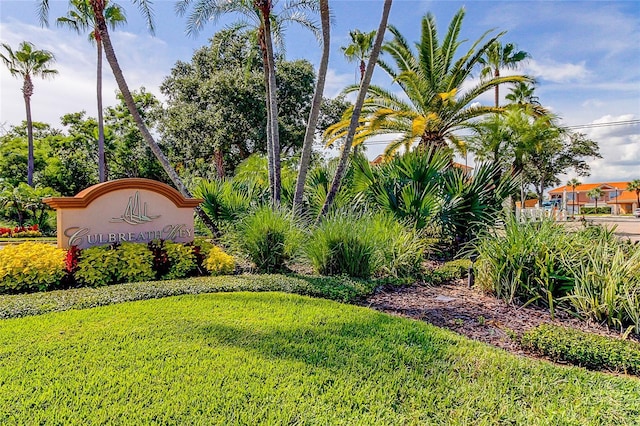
[133,214]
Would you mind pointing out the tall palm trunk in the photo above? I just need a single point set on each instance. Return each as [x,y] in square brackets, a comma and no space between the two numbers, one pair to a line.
[102,169]
[128,99]
[357,108]
[273,104]
[27,91]
[305,159]
[496,74]
[267,88]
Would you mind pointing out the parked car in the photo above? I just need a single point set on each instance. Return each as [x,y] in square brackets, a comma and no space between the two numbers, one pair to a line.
[636,213]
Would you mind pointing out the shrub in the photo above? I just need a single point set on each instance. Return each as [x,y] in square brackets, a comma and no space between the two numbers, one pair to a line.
[269,238]
[449,271]
[20,232]
[97,266]
[218,262]
[182,260]
[344,244]
[201,248]
[135,263]
[607,284]
[401,248]
[593,210]
[30,266]
[127,262]
[589,272]
[527,262]
[584,349]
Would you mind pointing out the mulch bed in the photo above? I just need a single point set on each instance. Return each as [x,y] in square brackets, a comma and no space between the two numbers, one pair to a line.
[473,314]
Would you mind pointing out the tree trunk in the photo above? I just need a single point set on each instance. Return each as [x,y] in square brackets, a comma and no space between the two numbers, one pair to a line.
[128,99]
[272,122]
[305,159]
[27,91]
[496,74]
[102,170]
[219,159]
[364,85]
[270,172]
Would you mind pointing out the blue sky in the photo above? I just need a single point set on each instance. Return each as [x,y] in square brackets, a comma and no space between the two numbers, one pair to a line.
[585,56]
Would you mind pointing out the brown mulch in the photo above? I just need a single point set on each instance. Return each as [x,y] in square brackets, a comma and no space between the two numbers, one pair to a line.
[473,314]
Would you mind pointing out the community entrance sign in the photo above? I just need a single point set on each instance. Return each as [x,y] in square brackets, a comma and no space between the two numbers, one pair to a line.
[133,210]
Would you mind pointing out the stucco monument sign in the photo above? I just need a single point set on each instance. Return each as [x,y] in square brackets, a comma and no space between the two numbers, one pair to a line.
[132,210]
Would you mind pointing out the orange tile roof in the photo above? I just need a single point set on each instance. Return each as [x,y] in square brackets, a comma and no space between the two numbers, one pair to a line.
[625,197]
[589,186]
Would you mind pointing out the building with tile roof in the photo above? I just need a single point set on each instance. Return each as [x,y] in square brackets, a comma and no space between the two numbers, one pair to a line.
[615,196]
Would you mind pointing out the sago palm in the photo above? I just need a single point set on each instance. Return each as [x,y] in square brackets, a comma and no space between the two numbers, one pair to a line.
[28,62]
[438,94]
[80,18]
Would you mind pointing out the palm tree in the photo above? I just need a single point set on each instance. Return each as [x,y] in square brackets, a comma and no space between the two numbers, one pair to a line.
[573,183]
[309,136]
[499,57]
[102,29]
[359,49]
[80,18]
[28,62]
[522,96]
[595,194]
[435,86]
[269,24]
[355,111]
[634,185]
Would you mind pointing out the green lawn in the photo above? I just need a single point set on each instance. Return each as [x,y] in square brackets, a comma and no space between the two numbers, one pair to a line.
[275,358]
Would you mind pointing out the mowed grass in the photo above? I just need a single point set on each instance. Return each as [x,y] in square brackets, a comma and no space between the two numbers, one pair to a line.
[276,358]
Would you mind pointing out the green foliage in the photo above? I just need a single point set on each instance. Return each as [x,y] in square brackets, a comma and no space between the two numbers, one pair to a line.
[343,289]
[24,204]
[401,247]
[224,202]
[30,266]
[424,189]
[182,260]
[269,238]
[219,263]
[593,210]
[449,271]
[589,272]
[97,266]
[247,358]
[584,349]
[344,244]
[216,106]
[135,263]
[103,265]
[524,262]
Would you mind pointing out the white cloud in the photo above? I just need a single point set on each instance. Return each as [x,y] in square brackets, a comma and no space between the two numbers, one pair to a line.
[73,89]
[335,83]
[619,147]
[557,72]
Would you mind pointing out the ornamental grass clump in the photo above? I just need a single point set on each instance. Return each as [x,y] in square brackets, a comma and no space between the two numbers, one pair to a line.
[31,266]
[345,244]
[588,272]
[268,238]
[526,262]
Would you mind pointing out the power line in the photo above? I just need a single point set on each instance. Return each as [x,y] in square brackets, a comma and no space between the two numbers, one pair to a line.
[577,126]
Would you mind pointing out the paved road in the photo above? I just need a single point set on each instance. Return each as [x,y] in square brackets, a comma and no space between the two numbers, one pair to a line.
[626,226]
